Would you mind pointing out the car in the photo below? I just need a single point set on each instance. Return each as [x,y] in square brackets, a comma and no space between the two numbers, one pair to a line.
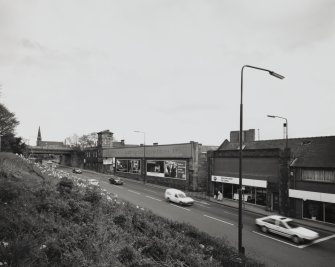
[115,180]
[93,182]
[178,197]
[286,227]
[76,170]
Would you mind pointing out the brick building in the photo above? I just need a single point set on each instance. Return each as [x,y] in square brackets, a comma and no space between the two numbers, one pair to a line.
[181,166]
[298,181]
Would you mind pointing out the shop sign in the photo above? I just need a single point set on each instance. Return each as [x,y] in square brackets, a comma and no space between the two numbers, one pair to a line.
[167,168]
[108,161]
[225,179]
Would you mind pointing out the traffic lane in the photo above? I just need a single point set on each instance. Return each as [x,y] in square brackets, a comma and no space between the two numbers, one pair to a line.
[217,210]
[219,219]
[204,222]
[255,245]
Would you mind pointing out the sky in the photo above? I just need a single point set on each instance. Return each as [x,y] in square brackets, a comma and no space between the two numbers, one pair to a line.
[169,68]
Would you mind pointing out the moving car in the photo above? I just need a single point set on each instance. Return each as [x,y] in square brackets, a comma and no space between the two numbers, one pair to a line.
[76,170]
[115,180]
[178,196]
[286,227]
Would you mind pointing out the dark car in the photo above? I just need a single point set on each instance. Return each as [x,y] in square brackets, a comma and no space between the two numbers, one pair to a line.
[115,180]
[76,170]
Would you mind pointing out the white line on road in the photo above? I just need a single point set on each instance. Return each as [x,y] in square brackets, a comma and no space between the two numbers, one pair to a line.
[276,239]
[154,198]
[179,207]
[317,241]
[217,219]
[134,192]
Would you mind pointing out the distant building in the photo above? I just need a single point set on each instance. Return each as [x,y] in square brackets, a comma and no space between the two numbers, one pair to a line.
[47,144]
[181,166]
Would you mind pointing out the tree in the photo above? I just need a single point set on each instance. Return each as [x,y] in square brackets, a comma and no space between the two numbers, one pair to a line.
[8,121]
[88,140]
[10,143]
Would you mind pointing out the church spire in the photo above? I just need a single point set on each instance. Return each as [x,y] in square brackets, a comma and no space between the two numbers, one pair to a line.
[39,137]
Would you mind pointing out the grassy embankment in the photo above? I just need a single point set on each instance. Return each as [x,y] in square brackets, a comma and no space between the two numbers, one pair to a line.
[47,220]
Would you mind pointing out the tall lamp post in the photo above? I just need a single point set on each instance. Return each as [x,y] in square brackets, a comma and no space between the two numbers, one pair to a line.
[144,167]
[240,247]
[285,126]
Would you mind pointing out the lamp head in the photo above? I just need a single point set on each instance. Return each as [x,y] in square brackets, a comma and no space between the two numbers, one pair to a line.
[271,116]
[276,75]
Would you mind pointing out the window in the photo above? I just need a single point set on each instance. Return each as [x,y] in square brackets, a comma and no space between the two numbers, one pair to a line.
[271,221]
[326,176]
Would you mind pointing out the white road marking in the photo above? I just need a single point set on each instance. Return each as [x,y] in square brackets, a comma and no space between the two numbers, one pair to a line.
[154,198]
[134,192]
[150,191]
[179,207]
[317,241]
[277,240]
[218,219]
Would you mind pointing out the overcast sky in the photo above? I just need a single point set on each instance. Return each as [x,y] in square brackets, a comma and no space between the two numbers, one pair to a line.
[170,68]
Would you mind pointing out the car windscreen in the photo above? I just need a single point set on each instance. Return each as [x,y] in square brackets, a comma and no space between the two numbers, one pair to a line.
[181,195]
[292,224]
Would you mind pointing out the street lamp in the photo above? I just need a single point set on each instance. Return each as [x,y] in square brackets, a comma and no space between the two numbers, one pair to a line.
[144,167]
[240,247]
[285,126]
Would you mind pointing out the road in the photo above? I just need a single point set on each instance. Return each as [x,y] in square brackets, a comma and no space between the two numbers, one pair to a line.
[222,221]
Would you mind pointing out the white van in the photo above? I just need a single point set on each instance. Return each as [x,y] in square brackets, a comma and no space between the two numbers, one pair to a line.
[178,196]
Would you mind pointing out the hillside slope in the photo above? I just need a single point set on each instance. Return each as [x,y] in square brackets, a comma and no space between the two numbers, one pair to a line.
[48,219]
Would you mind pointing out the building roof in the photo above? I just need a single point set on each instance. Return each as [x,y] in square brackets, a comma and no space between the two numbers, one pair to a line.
[316,152]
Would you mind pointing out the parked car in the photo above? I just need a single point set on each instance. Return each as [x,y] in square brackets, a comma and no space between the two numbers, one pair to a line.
[286,227]
[76,170]
[115,180]
[178,197]
[93,182]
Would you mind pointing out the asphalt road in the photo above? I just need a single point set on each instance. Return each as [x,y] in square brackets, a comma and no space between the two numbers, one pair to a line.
[222,221]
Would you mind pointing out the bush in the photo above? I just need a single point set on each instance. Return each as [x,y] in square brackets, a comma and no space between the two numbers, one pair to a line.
[9,191]
[65,186]
[127,254]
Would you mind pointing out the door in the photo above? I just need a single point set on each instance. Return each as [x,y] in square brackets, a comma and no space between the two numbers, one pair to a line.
[275,201]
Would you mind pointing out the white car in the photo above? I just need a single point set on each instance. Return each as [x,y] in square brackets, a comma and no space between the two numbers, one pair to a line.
[286,227]
[178,196]
[93,182]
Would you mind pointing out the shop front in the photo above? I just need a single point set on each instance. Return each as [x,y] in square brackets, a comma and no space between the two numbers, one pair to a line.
[253,191]
[315,205]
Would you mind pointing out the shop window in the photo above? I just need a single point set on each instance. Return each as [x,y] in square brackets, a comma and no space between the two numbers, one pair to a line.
[218,191]
[228,191]
[249,194]
[260,196]
[235,191]
[329,212]
[313,210]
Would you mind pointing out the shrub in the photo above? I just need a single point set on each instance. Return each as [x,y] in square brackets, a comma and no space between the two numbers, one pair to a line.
[127,254]
[65,186]
[9,191]
[120,220]
[92,195]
